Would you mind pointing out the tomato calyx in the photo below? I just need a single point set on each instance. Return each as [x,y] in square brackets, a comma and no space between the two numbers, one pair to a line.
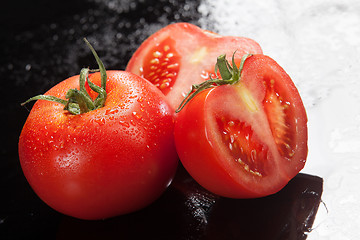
[79,100]
[229,73]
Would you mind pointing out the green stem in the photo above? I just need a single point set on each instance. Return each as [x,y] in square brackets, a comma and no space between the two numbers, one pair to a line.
[45,97]
[84,74]
[223,67]
[73,108]
[79,101]
[100,99]
[85,103]
[101,65]
[230,74]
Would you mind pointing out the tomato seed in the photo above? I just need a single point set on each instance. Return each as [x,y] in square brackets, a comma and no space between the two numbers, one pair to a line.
[166,48]
[155,61]
[243,147]
[157,54]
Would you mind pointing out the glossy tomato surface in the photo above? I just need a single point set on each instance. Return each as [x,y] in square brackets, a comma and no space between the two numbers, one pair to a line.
[248,139]
[182,54]
[106,162]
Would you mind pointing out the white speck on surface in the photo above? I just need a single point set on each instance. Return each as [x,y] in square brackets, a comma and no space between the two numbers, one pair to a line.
[318,45]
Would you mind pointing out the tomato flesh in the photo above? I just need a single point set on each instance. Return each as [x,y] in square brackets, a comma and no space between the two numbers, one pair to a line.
[246,151]
[163,67]
[275,107]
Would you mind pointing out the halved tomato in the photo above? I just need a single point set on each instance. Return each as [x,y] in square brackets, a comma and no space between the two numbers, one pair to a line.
[182,54]
[246,139]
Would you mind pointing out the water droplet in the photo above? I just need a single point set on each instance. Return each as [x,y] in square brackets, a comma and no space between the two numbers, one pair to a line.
[100,121]
[137,115]
[111,111]
[121,105]
[28,67]
[124,123]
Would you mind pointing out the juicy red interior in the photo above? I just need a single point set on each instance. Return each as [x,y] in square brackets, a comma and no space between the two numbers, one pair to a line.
[245,149]
[276,107]
[161,65]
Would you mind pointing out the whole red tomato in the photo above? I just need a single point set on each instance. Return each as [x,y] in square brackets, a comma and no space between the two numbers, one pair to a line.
[243,138]
[112,160]
[182,54]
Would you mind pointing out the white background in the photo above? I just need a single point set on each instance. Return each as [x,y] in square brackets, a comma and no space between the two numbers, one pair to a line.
[317,42]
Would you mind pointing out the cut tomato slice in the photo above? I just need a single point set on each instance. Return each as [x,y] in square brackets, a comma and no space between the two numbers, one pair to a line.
[247,139]
[182,54]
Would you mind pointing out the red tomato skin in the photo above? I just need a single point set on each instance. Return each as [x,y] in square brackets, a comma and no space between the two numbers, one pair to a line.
[104,163]
[203,155]
[198,50]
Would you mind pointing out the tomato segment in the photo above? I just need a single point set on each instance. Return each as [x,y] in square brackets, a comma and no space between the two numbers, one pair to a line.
[276,107]
[163,64]
[246,139]
[248,152]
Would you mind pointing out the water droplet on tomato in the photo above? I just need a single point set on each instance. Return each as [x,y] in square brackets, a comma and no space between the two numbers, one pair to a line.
[69,161]
[140,99]
[100,121]
[121,105]
[111,111]
[124,123]
[137,115]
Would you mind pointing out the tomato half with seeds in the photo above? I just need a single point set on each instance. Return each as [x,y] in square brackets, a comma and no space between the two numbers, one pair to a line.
[246,139]
[182,54]
[98,158]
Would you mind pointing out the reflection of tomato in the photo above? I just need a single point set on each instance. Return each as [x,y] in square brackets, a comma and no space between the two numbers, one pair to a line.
[247,139]
[109,161]
[182,54]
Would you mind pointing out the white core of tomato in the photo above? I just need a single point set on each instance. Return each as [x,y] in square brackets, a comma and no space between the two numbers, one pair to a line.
[199,55]
[247,98]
